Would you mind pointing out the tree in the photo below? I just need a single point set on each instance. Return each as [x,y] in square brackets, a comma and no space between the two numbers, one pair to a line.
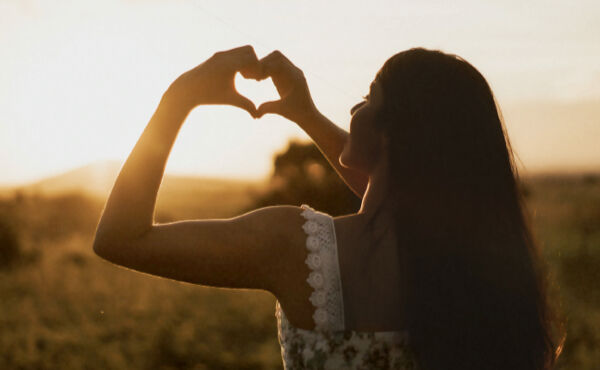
[302,174]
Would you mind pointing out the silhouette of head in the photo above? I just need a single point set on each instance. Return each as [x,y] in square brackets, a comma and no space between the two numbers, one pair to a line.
[366,142]
[438,115]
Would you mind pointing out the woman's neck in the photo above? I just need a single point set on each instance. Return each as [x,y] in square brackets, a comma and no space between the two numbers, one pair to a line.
[376,192]
[376,199]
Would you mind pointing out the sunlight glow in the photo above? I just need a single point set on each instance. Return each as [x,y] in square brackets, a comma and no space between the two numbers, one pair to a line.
[80,80]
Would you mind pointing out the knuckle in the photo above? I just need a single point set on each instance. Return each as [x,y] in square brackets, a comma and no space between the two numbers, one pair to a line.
[299,74]
[248,51]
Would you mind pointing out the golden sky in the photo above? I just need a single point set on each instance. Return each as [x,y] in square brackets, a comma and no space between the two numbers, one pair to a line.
[79,80]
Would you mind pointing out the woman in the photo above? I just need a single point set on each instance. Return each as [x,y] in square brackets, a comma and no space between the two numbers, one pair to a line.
[438,268]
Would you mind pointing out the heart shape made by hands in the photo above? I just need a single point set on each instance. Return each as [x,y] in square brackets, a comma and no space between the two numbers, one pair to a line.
[257,91]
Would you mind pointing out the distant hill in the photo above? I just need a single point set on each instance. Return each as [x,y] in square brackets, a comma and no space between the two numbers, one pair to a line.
[178,196]
[94,179]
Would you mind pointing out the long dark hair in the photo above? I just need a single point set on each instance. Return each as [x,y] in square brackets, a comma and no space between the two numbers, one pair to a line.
[475,283]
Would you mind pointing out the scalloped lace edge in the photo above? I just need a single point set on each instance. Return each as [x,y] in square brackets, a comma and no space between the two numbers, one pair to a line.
[324,278]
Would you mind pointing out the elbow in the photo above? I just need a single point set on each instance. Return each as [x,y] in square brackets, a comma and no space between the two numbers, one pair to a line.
[112,248]
[109,250]
[104,245]
[102,241]
[112,238]
[106,241]
[101,247]
[112,245]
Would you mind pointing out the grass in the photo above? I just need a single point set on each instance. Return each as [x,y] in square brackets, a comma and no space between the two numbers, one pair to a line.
[65,308]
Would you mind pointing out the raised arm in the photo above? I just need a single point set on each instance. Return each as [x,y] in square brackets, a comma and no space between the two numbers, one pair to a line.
[240,252]
[296,104]
[129,209]
[330,140]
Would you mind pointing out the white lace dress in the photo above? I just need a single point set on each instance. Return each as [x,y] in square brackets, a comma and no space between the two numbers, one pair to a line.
[329,346]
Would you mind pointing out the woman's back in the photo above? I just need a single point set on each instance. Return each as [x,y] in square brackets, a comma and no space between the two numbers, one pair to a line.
[370,277]
[343,318]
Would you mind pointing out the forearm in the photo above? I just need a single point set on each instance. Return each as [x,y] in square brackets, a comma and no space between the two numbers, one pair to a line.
[129,210]
[330,139]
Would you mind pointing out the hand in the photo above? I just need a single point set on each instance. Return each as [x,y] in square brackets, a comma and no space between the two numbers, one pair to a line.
[213,81]
[296,103]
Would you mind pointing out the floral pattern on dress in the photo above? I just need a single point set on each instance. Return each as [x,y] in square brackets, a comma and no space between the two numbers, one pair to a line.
[309,349]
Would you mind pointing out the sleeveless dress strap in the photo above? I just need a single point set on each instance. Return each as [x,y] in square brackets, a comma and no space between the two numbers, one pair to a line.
[324,278]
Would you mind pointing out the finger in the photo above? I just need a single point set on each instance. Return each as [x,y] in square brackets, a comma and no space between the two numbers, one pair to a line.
[244,103]
[239,49]
[244,60]
[278,66]
[274,63]
[269,107]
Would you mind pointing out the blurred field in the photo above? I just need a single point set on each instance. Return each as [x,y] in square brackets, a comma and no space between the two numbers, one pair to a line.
[64,308]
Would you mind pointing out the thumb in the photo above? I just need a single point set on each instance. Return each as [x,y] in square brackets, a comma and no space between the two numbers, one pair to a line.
[270,107]
[244,103]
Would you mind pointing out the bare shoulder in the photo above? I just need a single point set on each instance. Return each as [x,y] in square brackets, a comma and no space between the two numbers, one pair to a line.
[282,222]
[284,215]
[284,225]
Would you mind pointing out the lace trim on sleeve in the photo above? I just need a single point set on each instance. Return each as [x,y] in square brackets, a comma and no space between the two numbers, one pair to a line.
[324,277]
